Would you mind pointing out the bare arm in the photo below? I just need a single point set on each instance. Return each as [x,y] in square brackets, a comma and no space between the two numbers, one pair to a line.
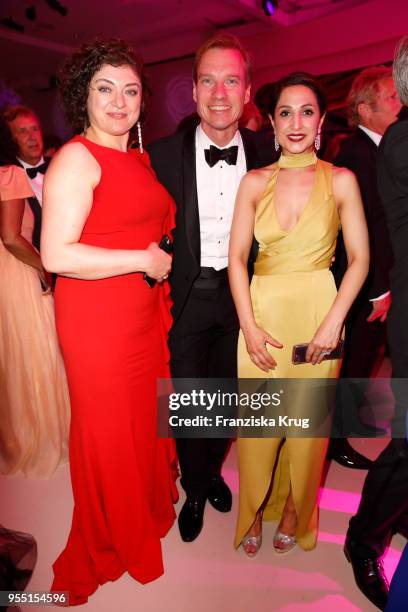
[11,218]
[242,233]
[355,234]
[68,195]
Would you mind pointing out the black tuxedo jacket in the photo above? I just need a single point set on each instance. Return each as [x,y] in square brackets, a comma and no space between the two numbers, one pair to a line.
[392,172]
[36,210]
[359,154]
[173,159]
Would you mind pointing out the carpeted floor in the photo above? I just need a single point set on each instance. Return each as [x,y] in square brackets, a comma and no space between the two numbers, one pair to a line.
[208,575]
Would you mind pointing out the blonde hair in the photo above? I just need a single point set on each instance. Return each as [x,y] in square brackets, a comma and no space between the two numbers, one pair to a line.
[365,88]
[224,41]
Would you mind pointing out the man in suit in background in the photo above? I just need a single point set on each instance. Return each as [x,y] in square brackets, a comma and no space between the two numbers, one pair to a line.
[373,105]
[26,130]
[202,168]
[383,508]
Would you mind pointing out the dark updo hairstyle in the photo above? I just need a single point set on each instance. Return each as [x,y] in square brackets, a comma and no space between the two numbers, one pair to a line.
[78,69]
[298,78]
[8,147]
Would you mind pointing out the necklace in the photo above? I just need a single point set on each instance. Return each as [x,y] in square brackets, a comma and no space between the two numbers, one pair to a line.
[297,160]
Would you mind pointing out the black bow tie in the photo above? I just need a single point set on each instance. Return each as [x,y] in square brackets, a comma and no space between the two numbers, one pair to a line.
[32,172]
[214,155]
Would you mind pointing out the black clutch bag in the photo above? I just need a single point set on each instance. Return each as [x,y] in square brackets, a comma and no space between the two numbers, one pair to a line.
[299,353]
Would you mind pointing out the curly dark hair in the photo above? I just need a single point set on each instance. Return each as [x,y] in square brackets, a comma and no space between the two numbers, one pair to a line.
[298,78]
[8,147]
[78,69]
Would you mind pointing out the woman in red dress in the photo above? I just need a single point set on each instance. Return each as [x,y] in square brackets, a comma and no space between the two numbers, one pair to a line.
[104,215]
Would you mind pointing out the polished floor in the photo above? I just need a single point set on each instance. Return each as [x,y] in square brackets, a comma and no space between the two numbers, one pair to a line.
[208,575]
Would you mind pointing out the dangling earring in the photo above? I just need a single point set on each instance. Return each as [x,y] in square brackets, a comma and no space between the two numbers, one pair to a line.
[276,144]
[139,137]
[317,141]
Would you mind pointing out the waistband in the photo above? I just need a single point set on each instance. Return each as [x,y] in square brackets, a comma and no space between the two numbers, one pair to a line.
[265,268]
[213,273]
[209,278]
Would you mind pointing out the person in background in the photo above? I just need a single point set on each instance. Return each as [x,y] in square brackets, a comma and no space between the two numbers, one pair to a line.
[262,100]
[373,105]
[18,557]
[334,144]
[251,117]
[383,508]
[34,406]
[26,130]
[398,594]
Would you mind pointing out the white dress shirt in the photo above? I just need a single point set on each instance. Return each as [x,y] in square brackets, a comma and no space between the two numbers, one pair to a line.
[216,190]
[37,182]
[376,138]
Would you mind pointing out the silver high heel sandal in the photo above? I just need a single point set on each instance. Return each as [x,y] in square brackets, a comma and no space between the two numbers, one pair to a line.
[287,542]
[251,544]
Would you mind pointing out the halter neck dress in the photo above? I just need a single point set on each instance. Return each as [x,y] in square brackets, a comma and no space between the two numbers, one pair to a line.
[292,290]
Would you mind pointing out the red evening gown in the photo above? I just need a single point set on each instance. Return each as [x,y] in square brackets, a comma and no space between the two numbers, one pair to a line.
[113,334]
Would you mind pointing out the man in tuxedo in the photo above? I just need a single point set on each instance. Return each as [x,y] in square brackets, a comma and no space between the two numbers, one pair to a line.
[383,508]
[373,105]
[26,131]
[202,168]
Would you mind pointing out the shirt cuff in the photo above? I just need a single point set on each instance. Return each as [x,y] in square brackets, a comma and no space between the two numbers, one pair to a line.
[380,297]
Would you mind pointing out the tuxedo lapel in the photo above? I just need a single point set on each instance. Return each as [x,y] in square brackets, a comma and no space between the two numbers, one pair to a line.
[364,138]
[251,153]
[37,213]
[190,198]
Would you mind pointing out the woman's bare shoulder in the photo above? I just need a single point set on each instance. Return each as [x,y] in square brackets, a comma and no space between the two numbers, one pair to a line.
[343,180]
[343,175]
[73,151]
[74,159]
[258,178]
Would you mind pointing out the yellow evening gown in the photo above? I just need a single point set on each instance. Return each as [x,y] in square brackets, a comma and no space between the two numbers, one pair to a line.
[292,290]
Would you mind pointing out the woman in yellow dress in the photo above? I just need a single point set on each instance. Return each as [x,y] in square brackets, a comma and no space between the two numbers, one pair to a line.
[294,208]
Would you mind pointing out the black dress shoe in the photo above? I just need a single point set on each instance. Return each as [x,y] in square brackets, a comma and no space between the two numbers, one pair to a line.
[190,520]
[369,576]
[340,450]
[219,495]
